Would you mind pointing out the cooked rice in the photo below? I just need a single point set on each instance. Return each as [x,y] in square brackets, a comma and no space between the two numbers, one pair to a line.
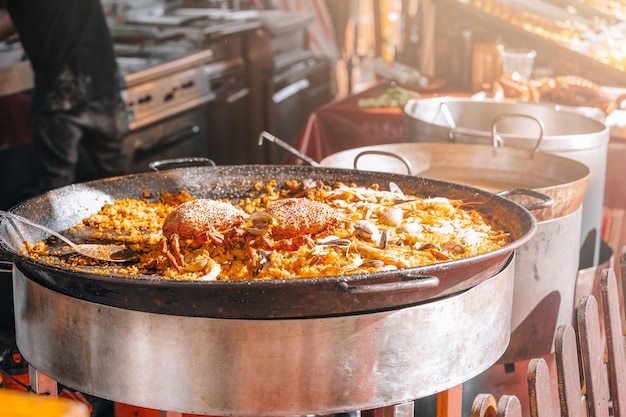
[424,232]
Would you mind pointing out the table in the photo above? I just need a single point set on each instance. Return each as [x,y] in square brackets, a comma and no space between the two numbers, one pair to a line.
[343,125]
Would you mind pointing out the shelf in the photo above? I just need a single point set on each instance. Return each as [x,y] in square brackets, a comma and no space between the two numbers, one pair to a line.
[569,52]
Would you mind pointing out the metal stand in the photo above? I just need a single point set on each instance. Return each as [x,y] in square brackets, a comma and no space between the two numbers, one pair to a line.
[42,384]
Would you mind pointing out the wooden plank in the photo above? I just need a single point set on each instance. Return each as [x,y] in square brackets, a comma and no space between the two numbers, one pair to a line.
[509,406]
[450,402]
[399,410]
[622,282]
[614,340]
[592,354]
[571,399]
[484,405]
[539,391]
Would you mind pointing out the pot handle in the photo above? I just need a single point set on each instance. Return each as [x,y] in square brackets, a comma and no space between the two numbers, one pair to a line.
[402,159]
[497,139]
[413,283]
[166,164]
[546,202]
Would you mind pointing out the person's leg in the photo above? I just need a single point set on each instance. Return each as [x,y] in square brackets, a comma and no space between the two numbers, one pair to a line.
[56,139]
[104,128]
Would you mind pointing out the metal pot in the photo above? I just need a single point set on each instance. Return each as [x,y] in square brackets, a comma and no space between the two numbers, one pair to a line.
[280,367]
[62,208]
[546,267]
[545,127]
[493,169]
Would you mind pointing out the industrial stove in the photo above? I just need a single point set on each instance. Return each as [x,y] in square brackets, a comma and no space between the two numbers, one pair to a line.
[288,81]
[167,93]
[187,88]
[285,81]
[220,127]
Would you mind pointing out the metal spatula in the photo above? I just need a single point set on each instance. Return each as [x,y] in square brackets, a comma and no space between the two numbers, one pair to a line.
[101,252]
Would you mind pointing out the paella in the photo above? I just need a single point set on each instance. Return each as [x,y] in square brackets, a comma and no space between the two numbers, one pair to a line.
[287,229]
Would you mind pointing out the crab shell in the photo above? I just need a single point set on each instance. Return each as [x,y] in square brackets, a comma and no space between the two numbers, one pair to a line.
[300,216]
[192,218]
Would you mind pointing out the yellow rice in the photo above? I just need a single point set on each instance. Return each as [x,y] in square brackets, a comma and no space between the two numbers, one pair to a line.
[431,230]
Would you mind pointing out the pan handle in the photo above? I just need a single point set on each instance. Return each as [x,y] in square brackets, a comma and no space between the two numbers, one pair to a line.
[546,200]
[6,256]
[497,139]
[447,116]
[413,283]
[402,159]
[455,133]
[166,164]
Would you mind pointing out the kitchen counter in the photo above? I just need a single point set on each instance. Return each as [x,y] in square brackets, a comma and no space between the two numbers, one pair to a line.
[16,75]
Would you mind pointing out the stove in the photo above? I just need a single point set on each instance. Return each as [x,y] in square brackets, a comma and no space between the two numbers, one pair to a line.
[160,84]
[199,24]
[166,94]
[274,80]
[272,367]
[289,81]
[202,65]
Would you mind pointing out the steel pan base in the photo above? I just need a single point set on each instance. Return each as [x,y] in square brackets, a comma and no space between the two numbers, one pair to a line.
[271,367]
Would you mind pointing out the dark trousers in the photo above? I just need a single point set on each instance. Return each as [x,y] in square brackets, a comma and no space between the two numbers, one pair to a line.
[58,136]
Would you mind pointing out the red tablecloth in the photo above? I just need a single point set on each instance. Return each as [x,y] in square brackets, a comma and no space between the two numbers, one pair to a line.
[15,119]
[343,125]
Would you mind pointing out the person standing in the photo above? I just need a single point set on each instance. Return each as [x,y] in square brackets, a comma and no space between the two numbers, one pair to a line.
[76,102]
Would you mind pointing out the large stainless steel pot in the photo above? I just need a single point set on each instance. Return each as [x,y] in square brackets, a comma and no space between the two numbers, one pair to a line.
[493,169]
[546,267]
[525,125]
[280,367]
[61,208]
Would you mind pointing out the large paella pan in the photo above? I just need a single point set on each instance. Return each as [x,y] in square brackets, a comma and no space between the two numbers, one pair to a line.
[332,295]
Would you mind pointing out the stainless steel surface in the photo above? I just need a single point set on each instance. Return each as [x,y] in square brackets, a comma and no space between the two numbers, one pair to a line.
[182,135]
[169,87]
[263,367]
[225,73]
[545,283]
[566,134]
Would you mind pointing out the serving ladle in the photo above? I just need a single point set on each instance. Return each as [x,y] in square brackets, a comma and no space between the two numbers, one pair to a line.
[98,251]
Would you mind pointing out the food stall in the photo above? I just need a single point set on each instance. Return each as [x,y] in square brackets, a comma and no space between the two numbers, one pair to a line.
[240,299]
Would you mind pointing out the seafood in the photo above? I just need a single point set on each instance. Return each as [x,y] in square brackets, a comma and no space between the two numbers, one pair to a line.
[199,220]
[209,220]
[299,216]
[575,91]
[392,216]
[570,90]
[326,230]
[512,86]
